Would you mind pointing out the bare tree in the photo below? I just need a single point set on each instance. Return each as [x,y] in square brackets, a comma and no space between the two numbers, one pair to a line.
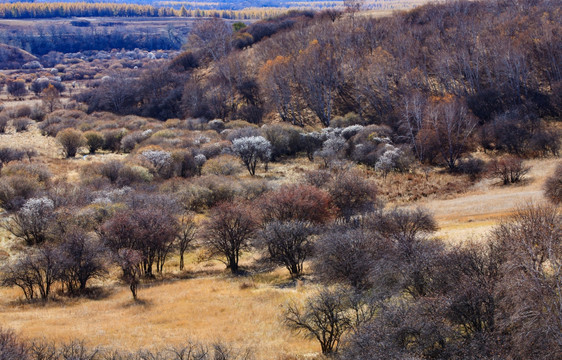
[319,75]
[130,261]
[277,79]
[82,258]
[50,96]
[18,274]
[288,244]
[186,235]
[213,37]
[37,269]
[149,229]
[328,315]
[451,127]
[228,232]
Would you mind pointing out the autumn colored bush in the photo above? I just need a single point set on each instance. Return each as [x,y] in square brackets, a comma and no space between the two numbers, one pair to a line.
[297,202]
[94,141]
[71,140]
[509,169]
[352,194]
[222,165]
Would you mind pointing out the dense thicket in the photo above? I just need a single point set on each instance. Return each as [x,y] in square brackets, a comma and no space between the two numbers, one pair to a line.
[443,78]
[497,299]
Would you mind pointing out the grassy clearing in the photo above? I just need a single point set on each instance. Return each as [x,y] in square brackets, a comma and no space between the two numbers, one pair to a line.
[483,205]
[205,309]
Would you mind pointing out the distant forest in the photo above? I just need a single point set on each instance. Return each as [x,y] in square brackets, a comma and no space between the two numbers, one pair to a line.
[70,39]
[225,10]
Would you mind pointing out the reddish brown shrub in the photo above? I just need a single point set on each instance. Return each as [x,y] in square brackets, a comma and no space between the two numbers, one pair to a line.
[509,169]
[297,202]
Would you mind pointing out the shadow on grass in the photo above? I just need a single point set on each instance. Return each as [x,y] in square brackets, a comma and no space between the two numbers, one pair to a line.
[138,302]
[58,298]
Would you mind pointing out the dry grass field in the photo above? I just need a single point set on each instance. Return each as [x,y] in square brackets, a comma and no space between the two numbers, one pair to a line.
[202,309]
[482,206]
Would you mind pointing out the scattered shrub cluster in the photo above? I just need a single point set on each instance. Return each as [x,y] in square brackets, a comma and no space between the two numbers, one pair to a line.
[388,101]
[12,347]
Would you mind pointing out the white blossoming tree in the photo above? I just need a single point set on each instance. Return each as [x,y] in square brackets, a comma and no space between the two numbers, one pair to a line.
[251,150]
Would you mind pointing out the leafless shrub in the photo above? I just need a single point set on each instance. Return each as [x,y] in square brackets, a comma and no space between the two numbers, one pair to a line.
[37,171]
[352,194]
[472,167]
[11,347]
[112,139]
[228,232]
[299,203]
[318,178]
[15,190]
[3,123]
[21,124]
[530,304]
[345,255]
[553,186]
[22,111]
[111,169]
[10,154]
[77,350]
[509,169]
[287,244]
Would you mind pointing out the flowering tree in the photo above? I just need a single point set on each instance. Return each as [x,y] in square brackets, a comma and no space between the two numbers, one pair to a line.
[251,150]
[200,160]
[159,159]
